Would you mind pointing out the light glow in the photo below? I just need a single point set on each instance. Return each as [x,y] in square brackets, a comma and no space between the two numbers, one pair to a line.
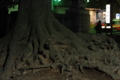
[57,0]
[103,27]
[108,13]
[117,15]
[88,0]
[107,27]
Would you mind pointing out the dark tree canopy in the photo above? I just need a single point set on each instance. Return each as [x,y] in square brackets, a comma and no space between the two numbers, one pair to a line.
[39,41]
[8,3]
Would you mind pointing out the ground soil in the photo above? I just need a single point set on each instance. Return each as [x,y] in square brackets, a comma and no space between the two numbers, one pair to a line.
[49,74]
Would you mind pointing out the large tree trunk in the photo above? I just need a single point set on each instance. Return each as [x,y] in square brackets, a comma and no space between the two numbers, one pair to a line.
[34,34]
[38,40]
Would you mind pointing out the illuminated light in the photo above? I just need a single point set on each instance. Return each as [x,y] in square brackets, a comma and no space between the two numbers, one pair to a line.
[108,13]
[88,0]
[108,27]
[103,27]
[117,15]
[59,0]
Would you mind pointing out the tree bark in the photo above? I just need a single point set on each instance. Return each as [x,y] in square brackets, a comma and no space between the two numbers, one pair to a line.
[35,32]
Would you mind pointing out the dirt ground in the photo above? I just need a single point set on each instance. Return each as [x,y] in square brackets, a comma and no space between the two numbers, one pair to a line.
[48,74]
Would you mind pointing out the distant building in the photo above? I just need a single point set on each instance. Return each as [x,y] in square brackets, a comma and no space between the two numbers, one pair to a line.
[96,13]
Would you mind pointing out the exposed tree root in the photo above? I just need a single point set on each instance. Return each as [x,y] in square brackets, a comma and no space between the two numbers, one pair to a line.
[65,56]
[33,53]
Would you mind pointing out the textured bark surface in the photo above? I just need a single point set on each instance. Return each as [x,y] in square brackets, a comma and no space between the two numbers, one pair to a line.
[39,41]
